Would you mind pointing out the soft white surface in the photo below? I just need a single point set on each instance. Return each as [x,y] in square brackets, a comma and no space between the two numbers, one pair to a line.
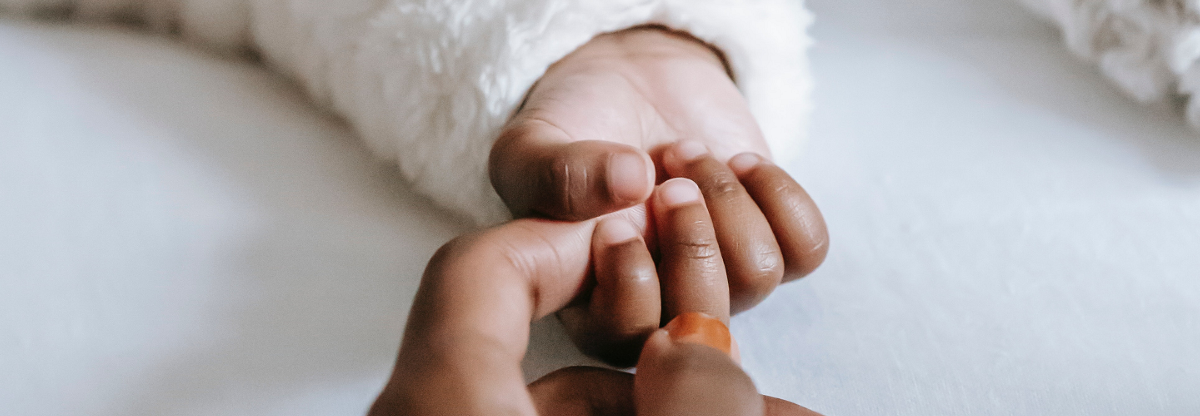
[184,235]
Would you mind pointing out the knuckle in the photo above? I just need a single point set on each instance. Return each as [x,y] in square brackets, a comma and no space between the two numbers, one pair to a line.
[566,182]
[721,186]
[519,260]
[763,276]
[782,184]
[525,251]
[775,183]
[807,234]
[558,176]
[702,249]
[797,208]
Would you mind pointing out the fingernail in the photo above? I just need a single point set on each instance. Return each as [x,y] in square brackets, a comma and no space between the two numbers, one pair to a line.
[699,328]
[690,150]
[742,163]
[627,177]
[615,230]
[679,191]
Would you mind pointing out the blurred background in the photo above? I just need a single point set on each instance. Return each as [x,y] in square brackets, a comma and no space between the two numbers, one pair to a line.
[184,234]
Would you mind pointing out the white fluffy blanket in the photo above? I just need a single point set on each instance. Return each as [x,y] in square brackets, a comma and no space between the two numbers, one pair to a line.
[1148,47]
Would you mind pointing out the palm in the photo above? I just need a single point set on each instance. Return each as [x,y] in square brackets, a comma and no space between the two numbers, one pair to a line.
[615,100]
[645,102]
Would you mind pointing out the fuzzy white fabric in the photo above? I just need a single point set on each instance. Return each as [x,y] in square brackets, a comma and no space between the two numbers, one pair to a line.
[1150,48]
[430,83]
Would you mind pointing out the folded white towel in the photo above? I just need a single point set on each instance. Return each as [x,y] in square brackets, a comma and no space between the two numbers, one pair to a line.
[430,83]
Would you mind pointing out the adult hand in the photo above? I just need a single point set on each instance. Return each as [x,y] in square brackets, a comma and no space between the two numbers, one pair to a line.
[469,325]
[588,137]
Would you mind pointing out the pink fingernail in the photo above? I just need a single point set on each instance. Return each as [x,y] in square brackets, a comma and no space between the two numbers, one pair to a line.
[615,230]
[690,150]
[742,163]
[627,177]
[679,191]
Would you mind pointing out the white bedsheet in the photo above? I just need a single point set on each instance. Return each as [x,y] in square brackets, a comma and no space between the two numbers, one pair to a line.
[185,235]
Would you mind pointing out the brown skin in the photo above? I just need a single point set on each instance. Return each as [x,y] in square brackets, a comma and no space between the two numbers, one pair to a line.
[754,261]
[692,272]
[613,319]
[755,253]
[469,325]
[795,220]
[621,94]
[633,96]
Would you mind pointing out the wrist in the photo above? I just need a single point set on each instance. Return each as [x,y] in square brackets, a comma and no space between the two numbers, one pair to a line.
[651,42]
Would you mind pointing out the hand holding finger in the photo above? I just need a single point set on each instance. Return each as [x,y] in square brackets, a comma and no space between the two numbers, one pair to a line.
[611,321]
[686,367]
[469,324]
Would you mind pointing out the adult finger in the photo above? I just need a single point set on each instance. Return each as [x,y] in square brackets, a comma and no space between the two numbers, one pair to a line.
[685,369]
[468,327]
[614,318]
[539,171]
[692,273]
[583,391]
[682,375]
[753,261]
[797,223]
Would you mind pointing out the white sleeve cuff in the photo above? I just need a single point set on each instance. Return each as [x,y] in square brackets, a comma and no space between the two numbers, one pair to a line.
[430,84]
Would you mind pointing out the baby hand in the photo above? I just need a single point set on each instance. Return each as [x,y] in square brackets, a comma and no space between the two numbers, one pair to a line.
[698,248]
[582,146]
